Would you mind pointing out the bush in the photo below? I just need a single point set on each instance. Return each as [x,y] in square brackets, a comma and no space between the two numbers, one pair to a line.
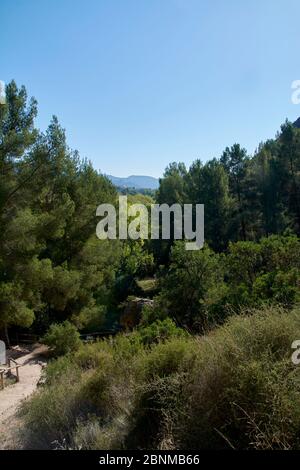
[85,398]
[243,391]
[233,388]
[159,377]
[92,355]
[59,368]
[263,272]
[193,282]
[164,359]
[62,339]
[160,330]
[51,414]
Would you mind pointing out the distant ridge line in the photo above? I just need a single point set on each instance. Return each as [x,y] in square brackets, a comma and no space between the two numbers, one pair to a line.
[135,181]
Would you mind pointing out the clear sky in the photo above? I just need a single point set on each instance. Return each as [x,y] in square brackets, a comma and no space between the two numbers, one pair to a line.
[140,83]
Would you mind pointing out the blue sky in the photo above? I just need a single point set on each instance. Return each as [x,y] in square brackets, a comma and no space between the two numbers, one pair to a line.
[140,83]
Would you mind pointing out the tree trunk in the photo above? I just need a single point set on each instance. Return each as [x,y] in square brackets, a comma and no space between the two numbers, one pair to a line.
[4,336]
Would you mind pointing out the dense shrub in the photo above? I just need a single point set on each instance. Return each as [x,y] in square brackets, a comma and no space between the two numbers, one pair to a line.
[62,338]
[194,281]
[52,414]
[200,289]
[160,330]
[59,368]
[264,272]
[233,388]
[244,390]
[160,373]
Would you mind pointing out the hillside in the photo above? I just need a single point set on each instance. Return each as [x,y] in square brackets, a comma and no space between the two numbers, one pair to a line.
[135,181]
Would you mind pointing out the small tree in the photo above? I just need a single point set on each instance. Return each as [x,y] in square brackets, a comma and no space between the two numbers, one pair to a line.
[62,338]
[194,281]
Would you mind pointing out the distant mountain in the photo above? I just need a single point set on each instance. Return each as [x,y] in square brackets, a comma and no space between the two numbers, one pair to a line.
[135,181]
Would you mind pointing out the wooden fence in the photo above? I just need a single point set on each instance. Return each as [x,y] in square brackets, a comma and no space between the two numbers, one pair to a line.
[11,365]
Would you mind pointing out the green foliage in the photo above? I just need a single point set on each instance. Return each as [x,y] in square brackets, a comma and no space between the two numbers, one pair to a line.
[268,271]
[209,185]
[158,387]
[166,358]
[247,393]
[160,330]
[233,388]
[60,368]
[171,187]
[52,267]
[135,260]
[200,289]
[192,283]
[140,199]
[62,339]
[148,286]
[245,197]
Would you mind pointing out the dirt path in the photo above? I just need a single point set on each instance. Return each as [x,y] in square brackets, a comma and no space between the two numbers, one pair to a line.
[12,396]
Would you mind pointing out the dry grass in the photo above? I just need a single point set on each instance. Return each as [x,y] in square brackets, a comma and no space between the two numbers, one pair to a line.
[234,388]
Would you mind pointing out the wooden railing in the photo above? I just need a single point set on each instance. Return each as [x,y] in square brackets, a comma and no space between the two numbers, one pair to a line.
[8,370]
[98,334]
[24,338]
